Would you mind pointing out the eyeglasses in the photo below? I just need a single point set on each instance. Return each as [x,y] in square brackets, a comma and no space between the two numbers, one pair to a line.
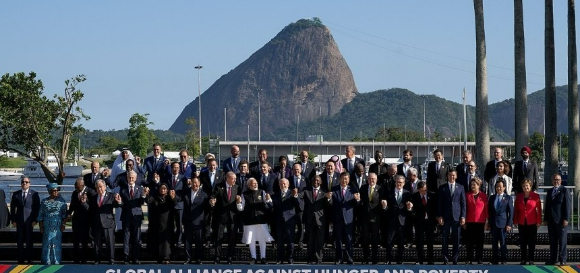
[556,179]
[471,166]
[25,182]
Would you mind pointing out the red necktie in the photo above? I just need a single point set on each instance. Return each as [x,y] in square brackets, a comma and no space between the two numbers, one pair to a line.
[343,190]
[131,192]
[101,201]
[315,193]
[424,200]
[229,193]
[174,181]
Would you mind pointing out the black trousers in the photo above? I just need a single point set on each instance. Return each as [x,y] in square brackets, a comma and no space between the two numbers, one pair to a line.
[219,235]
[315,235]
[132,239]
[370,235]
[80,242]
[177,220]
[528,234]
[474,240]
[425,233]
[395,233]
[108,235]
[558,236]
[24,236]
[285,235]
[194,235]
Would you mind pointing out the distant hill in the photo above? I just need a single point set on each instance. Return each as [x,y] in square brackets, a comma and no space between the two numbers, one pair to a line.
[301,70]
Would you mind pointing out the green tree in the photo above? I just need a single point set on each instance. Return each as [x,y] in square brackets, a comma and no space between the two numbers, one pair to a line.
[192,137]
[537,146]
[139,136]
[28,119]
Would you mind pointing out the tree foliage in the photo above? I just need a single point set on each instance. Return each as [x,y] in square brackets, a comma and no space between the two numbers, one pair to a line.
[192,137]
[139,136]
[28,119]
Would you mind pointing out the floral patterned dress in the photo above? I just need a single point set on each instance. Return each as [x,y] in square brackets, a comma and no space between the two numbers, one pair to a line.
[52,214]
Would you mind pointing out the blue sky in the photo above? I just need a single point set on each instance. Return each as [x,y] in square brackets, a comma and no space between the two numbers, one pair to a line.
[139,56]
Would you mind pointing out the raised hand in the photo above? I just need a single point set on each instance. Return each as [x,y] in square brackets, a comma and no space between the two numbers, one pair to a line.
[156,178]
[146,190]
[172,194]
[238,199]
[212,202]
[384,203]
[357,196]
[118,198]
[268,198]
[83,198]
[294,191]
[329,195]
[409,205]
[106,172]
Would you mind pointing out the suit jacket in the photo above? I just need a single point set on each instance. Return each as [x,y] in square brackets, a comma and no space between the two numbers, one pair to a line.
[225,209]
[255,169]
[502,215]
[379,168]
[179,187]
[122,182]
[131,205]
[324,177]
[228,165]
[23,212]
[194,209]
[400,170]
[188,172]
[242,182]
[372,209]
[528,212]
[287,209]
[557,208]
[88,179]
[490,171]
[103,215]
[355,183]
[268,183]
[308,170]
[150,167]
[531,173]
[477,210]
[78,210]
[303,182]
[343,206]
[462,170]
[314,207]
[419,210]
[278,172]
[397,212]
[206,180]
[434,179]
[451,207]
[357,160]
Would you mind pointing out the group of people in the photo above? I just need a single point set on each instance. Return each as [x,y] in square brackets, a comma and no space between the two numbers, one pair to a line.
[296,208]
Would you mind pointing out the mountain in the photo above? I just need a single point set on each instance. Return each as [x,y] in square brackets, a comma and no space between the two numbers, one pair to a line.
[300,70]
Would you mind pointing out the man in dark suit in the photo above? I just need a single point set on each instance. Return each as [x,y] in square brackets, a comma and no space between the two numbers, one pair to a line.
[329,177]
[349,163]
[308,169]
[81,222]
[282,170]
[195,205]
[154,164]
[344,200]
[437,171]
[177,181]
[402,169]
[186,168]
[463,169]
[231,164]
[101,206]
[211,178]
[299,182]
[243,175]
[451,214]
[256,166]
[525,169]
[379,167]
[132,197]
[223,199]
[372,209]
[425,220]
[490,167]
[501,217]
[398,208]
[24,208]
[287,206]
[315,219]
[357,180]
[91,178]
[266,179]
[557,209]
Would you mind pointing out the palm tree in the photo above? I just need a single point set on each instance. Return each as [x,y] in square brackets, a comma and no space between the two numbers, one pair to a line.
[521,98]
[573,120]
[550,142]
[481,106]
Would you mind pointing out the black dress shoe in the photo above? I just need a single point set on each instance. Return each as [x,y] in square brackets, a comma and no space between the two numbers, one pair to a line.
[550,263]
[97,262]
[479,262]
[502,263]
[365,262]
[216,261]
[445,263]
[338,262]
[399,262]
[455,263]
[263,261]
[188,261]
[230,261]
[165,262]
[136,262]
[300,245]
[278,262]
[430,263]
[252,261]
[350,262]
[290,261]
[318,262]
[562,263]
[111,262]
[523,263]
[531,263]
[198,262]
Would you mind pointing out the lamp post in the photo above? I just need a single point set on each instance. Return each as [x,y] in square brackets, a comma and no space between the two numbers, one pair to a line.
[259,117]
[199,67]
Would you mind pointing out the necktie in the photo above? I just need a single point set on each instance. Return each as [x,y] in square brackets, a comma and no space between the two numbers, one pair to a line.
[131,192]
[174,181]
[329,182]
[468,179]
[24,197]
[235,163]
[94,178]
[296,182]
[424,200]
[243,180]
[283,172]
[183,169]
[212,178]
[464,168]
[283,194]
[315,194]
[229,193]
[371,193]
[343,190]
[350,166]
[525,167]
[303,168]
[438,167]
[497,201]
[398,197]
[554,191]
[101,201]
[360,182]
[452,188]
